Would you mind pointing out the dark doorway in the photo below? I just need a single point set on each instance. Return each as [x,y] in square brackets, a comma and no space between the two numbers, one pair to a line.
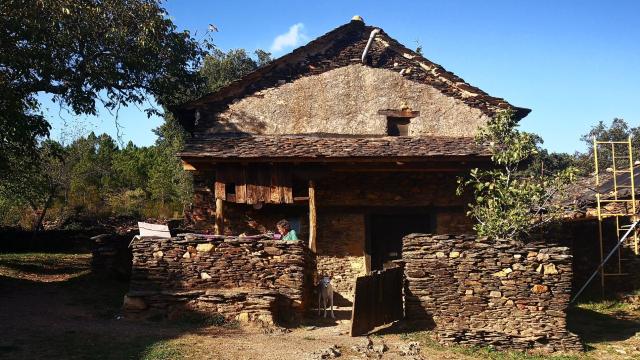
[386,231]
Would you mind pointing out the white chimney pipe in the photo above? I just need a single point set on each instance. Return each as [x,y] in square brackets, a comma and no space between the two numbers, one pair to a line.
[366,48]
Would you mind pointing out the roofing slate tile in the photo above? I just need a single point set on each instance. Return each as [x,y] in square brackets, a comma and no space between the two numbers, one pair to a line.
[335,147]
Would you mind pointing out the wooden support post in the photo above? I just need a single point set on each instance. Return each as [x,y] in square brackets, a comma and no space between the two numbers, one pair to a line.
[219,227]
[312,216]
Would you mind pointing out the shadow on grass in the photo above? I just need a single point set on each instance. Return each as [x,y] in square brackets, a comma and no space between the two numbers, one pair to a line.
[43,269]
[79,318]
[596,327]
[43,264]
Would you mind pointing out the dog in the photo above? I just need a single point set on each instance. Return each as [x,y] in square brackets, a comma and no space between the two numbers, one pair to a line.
[325,293]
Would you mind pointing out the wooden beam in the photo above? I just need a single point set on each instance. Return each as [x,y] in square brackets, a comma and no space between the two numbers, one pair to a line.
[241,186]
[220,190]
[312,216]
[406,113]
[187,166]
[219,227]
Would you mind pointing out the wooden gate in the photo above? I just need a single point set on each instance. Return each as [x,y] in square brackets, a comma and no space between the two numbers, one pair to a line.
[377,300]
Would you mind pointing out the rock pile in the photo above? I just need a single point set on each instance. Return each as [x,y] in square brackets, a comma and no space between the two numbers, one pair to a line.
[409,349]
[111,256]
[368,350]
[331,352]
[498,293]
[241,278]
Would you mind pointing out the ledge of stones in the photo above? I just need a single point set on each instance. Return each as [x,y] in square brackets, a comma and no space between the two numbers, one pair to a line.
[479,291]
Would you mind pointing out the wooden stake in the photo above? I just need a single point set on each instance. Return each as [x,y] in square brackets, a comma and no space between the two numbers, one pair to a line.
[219,227]
[312,216]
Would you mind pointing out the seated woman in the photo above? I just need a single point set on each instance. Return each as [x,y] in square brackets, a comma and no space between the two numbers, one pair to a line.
[285,229]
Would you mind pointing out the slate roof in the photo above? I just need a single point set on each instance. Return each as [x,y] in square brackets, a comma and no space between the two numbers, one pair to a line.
[315,147]
[582,193]
[341,47]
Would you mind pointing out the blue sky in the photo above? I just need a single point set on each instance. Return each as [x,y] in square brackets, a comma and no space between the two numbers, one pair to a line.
[573,63]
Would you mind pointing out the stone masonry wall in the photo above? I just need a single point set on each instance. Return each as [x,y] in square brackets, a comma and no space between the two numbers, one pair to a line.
[346,100]
[340,251]
[489,292]
[247,279]
[399,189]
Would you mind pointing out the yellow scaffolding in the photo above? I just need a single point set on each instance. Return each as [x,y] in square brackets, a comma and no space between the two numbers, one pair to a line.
[614,205]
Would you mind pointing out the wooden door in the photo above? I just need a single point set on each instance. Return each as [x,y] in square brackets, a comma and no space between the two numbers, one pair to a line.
[377,300]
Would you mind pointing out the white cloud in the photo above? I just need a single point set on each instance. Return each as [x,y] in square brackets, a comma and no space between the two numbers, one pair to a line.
[291,38]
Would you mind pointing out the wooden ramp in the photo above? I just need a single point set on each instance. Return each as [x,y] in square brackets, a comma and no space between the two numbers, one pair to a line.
[377,301]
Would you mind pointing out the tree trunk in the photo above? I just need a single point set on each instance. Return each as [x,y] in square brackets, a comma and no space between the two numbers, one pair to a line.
[40,217]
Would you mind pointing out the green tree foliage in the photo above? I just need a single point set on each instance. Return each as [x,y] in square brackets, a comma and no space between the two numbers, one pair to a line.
[168,182]
[93,177]
[83,51]
[132,165]
[37,183]
[509,199]
[550,163]
[220,68]
[618,130]
[97,178]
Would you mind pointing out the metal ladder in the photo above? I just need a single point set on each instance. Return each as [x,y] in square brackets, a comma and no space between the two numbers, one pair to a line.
[629,228]
[615,207]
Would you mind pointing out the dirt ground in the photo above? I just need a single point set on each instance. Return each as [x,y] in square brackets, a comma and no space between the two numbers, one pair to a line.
[52,307]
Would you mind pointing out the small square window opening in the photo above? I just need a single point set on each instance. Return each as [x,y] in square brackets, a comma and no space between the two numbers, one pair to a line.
[397,126]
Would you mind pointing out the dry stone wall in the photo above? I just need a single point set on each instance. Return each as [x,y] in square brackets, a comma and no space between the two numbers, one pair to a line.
[246,279]
[111,255]
[484,292]
[341,250]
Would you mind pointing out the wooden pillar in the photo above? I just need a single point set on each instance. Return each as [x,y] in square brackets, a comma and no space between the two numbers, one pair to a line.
[312,216]
[219,227]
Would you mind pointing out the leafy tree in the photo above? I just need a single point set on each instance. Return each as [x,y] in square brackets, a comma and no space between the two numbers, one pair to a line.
[97,178]
[546,162]
[264,57]
[509,200]
[21,124]
[168,182]
[220,68]
[131,166]
[618,130]
[83,51]
[128,202]
[37,182]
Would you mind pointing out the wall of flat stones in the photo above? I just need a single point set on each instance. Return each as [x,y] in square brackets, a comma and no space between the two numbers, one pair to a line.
[111,255]
[247,279]
[392,189]
[476,291]
[340,250]
[346,100]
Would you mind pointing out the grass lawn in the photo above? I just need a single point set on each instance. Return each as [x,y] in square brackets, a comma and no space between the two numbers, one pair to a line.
[53,307]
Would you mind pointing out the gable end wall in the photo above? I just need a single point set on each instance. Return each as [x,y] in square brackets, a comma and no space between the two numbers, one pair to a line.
[346,100]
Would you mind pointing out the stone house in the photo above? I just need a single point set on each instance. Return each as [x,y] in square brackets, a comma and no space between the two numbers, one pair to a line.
[354,138]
